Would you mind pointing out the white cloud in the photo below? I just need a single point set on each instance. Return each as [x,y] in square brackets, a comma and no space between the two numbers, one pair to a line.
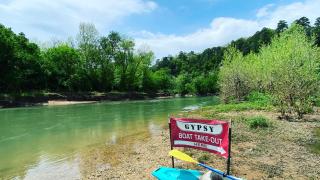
[62,17]
[291,12]
[45,19]
[264,11]
[223,29]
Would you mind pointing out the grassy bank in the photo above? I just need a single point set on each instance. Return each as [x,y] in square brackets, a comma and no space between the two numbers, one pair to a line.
[263,146]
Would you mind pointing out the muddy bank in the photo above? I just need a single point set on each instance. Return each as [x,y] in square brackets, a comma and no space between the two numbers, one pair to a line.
[278,152]
[10,101]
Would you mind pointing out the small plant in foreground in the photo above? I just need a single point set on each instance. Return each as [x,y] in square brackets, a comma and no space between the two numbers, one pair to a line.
[258,122]
[203,158]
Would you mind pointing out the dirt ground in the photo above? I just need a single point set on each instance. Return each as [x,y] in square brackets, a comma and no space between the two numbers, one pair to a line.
[281,151]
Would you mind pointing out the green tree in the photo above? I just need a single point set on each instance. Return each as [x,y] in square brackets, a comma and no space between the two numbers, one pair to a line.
[204,85]
[282,26]
[163,80]
[295,71]
[242,45]
[183,84]
[61,66]
[287,69]
[109,47]
[148,81]
[234,76]
[122,61]
[20,65]
[316,32]
[259,39]
[88,43]
[305,23]
[140,64]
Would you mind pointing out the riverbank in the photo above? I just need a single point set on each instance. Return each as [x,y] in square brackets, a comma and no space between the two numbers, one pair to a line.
[40,98]
[65,102]
[280,151]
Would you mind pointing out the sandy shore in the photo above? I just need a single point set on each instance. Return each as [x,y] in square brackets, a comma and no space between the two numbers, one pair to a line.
[279,152]
[64,102]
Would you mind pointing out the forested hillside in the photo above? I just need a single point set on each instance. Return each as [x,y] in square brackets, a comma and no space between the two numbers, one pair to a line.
[94,62]
[197,73]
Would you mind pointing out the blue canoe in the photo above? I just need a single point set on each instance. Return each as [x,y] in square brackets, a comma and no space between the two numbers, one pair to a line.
[165,173]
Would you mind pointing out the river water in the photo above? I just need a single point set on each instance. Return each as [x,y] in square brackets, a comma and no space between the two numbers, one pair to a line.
[44,142]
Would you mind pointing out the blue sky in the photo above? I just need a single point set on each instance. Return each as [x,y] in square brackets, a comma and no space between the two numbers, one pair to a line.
[165,26]
[185,16]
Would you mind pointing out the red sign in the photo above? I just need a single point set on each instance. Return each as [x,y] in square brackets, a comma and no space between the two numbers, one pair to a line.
[207,135]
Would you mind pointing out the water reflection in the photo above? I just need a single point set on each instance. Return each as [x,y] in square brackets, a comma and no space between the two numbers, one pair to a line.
[63,169]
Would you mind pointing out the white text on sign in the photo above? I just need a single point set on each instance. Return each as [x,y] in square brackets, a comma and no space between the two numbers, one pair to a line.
[202,138]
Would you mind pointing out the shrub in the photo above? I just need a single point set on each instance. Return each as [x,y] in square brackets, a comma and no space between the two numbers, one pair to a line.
[316,101]
[294,73]
[259,97]
[287,69]
[234,76]
[258,122]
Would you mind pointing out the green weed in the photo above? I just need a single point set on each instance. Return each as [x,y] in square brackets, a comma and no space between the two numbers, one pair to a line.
[258,122]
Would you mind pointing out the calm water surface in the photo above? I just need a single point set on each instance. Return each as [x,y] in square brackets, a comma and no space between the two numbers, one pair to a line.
[44,142]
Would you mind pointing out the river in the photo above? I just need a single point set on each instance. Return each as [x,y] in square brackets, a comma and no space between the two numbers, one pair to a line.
[44,142]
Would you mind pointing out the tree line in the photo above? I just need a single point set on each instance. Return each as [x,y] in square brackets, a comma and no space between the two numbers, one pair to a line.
[198,73]
[93,63]
[112,63]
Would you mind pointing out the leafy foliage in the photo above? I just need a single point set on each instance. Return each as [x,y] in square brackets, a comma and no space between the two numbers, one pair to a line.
[261,98]
[296,75]
[316,32]
[258,122]
[20,64]
[193,73]
[234,76]
[282,26]
[61,64]
[287,69]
